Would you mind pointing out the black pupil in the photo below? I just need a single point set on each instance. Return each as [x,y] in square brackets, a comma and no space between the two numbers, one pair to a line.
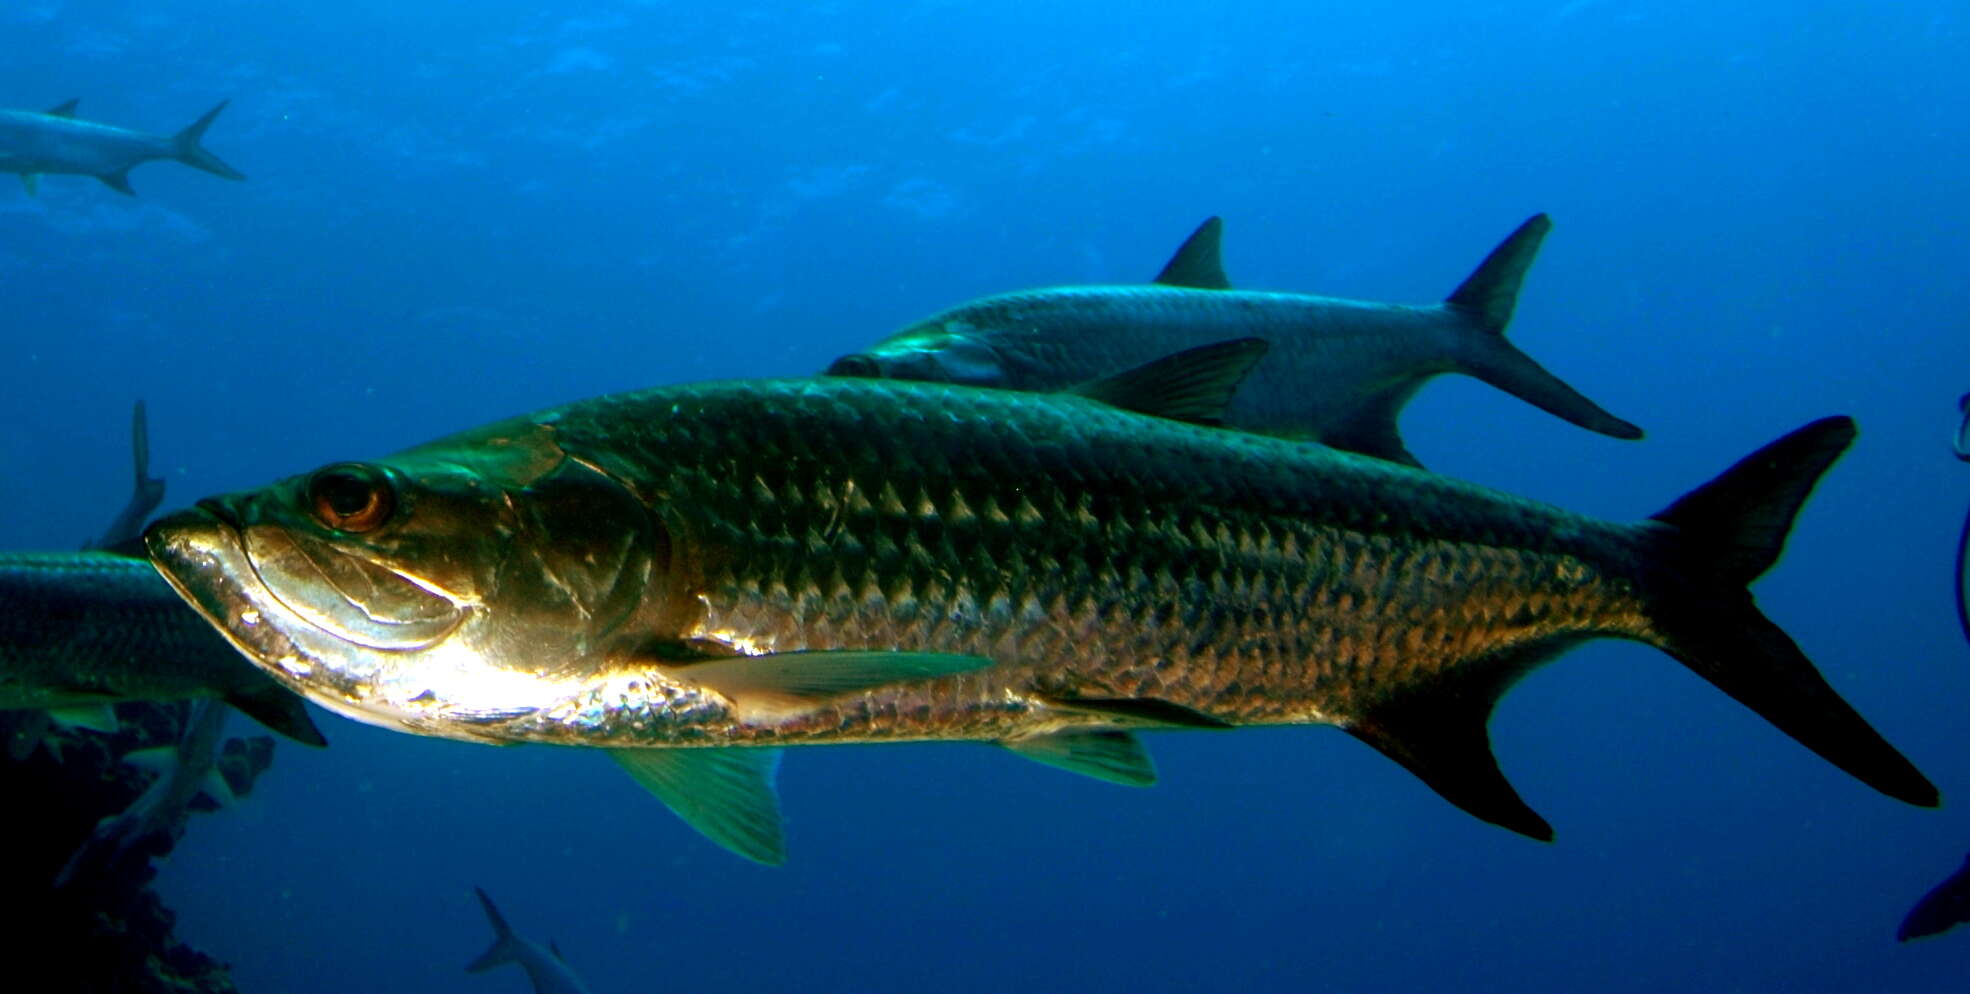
[346,493]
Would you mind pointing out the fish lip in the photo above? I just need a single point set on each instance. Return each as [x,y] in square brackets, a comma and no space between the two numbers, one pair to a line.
[200,554]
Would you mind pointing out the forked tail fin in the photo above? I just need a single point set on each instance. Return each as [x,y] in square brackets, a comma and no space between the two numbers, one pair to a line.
[1487,298]
[185,146]
[1699,555]
[505,946]
[1716,540]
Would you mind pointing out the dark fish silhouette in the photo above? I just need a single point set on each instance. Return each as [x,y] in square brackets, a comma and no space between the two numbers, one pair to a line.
[1338,371]
[56,141]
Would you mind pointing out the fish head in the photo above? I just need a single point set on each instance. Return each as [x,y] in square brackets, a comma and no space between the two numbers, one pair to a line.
[944,352]
[442,590]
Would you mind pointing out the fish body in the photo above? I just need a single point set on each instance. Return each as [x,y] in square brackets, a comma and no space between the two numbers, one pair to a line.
[546,970]
[729,564]
[33,143]
[1339,371]
[89,628]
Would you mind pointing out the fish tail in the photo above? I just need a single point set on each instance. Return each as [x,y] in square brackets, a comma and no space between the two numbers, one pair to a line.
[505,947]
[1709,546]
[1487,297]
[185,146]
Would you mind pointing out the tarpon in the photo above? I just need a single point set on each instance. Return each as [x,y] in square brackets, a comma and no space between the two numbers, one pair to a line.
[690,576]
[55,141]
[1340,371]
[85,629]
[549,973]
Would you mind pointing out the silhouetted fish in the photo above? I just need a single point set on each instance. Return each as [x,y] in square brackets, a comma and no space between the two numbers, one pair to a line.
[55,141]
[1339,371]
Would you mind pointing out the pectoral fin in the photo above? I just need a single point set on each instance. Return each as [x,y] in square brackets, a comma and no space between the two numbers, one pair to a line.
[1194,385]
[1116,757]
[64,109]
[281,710]
[806,677]
[726,793]
[96,718]
[33,183]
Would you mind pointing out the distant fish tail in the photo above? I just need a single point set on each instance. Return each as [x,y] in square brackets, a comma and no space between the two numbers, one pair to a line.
[1709,546]
[505,946]
[185,146]
[1488,297]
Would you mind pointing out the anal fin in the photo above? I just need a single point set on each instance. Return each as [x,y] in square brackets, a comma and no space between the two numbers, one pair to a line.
[1117,757]
[1438,733]
[281,710]
[726,793]
[118,181]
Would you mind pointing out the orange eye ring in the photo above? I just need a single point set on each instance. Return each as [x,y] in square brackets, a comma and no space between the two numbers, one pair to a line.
[351,497]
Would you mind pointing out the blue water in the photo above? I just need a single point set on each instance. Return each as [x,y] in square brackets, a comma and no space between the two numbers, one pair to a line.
[460,211]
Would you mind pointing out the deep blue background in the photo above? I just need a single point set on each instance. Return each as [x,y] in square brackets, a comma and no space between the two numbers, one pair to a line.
[459,211]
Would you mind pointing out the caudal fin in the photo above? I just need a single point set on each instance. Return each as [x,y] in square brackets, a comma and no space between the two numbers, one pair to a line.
[185,146]
[505,946]
[1487,297]
[1716,540]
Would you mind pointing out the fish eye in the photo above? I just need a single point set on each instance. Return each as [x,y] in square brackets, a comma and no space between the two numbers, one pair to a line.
[856,364]
[351,497]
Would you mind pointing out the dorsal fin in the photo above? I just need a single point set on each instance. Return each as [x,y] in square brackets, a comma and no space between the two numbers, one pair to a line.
[64,109]
[1199,262]
[1194,385]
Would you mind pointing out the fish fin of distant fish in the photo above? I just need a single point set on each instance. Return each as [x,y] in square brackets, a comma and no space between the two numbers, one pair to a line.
[216,787]
[1194,385]
[1707,547]
[726,793]
[186,148]
[1963,577]
[1944,907]
[816,675]
[505,945]
[1117,757]
[95,717]
[1487,298]
[33,183]
[281,710]
[157,759]
[1199,261]
[1370,429]
[64,109]
[1148,710]
[146,491]
[1438,733]
[118,181]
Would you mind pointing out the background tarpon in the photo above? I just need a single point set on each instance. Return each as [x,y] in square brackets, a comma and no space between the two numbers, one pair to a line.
[765,563]
[1339,372]
[55,141]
